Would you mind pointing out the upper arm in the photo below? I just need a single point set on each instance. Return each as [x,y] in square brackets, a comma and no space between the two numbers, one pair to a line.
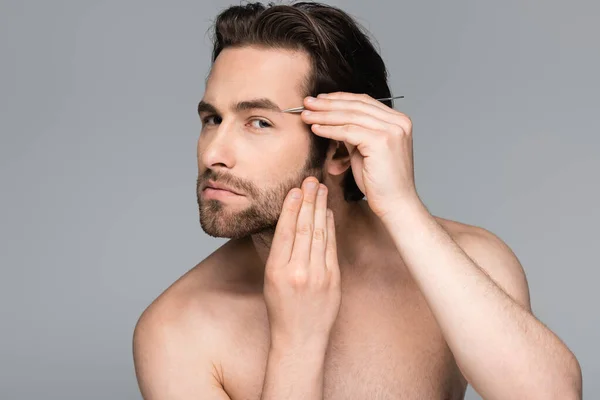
[498,261]
[172,356]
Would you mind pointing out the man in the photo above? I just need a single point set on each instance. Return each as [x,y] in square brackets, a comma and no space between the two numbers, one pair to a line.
[320,294]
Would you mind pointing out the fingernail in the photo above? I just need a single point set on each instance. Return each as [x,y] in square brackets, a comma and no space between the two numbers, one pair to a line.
[321,191]
[306,112]
[310,99]
[296,194]
[311,185]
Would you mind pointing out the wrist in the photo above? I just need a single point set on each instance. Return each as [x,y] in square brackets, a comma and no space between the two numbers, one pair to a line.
[404,212]
[310,347]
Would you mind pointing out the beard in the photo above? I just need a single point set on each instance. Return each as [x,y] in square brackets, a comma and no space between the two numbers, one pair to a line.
[261,216]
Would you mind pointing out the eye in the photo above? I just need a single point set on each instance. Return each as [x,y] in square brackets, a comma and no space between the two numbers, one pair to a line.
[208,120]
[260,124]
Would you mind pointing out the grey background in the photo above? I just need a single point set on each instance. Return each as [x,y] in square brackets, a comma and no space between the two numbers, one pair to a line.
[98,163]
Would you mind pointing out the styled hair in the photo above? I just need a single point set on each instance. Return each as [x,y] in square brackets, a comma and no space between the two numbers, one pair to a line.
[342,56]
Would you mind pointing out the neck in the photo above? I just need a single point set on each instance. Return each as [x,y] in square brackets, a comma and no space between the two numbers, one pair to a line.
[357,229]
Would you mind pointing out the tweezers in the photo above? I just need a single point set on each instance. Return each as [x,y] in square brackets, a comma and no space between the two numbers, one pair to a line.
[300,109]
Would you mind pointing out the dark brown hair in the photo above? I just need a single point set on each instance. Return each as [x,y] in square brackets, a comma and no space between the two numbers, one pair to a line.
[343,58]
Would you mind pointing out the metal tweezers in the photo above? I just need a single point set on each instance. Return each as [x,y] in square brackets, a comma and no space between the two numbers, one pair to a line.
[300,109]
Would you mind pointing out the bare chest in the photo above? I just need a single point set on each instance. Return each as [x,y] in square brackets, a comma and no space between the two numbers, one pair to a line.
[385,345]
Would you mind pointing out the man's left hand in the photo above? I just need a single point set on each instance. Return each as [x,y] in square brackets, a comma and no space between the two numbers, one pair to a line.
[379,141]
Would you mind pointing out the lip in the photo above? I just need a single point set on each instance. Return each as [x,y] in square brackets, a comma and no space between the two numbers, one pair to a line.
[217,194]
[217,187]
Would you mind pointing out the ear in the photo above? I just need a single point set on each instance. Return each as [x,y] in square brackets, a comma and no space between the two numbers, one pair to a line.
[338,158]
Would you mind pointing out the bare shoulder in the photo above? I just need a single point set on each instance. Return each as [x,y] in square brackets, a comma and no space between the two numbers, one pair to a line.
[179,338]
[493,256]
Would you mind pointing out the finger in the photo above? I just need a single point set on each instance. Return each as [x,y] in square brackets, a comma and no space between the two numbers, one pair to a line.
[352,135]
[354,105]
[305,223]
[343,117]
[356,96]
[331,258]
[388,114]
[319,237]
[397,118]
[285,231]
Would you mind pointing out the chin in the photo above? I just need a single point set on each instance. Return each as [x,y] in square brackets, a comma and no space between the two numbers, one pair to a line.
[218,220]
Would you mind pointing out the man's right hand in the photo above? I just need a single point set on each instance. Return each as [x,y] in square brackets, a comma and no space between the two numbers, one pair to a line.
[302,275]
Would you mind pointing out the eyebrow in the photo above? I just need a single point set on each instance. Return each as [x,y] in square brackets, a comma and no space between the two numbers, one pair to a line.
[254,104]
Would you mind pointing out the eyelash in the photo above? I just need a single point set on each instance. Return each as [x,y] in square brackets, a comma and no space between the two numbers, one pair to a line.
[205,121]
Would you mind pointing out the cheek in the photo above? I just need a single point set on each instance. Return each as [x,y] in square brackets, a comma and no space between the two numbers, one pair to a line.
[296,146]
[290,156]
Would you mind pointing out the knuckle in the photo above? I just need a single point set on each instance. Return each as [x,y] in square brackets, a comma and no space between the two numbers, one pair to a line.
[396,132]
[304,229]
[319,235]
[327,102]
[308,200]
[299,277]
[356,117]
[404,121]
[290,208]
[271,276]
[347,129]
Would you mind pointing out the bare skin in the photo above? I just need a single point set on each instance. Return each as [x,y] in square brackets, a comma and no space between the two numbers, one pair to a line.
[427,304]
[385,343]
[208,336]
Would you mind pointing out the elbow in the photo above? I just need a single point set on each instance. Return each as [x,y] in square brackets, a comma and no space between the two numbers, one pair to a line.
[564,384]
[571,386]
[575,381]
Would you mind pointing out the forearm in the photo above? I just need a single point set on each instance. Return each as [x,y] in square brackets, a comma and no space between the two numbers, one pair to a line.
[501,348]
[294,373]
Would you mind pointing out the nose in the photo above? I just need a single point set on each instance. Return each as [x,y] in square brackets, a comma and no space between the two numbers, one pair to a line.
[215,148]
